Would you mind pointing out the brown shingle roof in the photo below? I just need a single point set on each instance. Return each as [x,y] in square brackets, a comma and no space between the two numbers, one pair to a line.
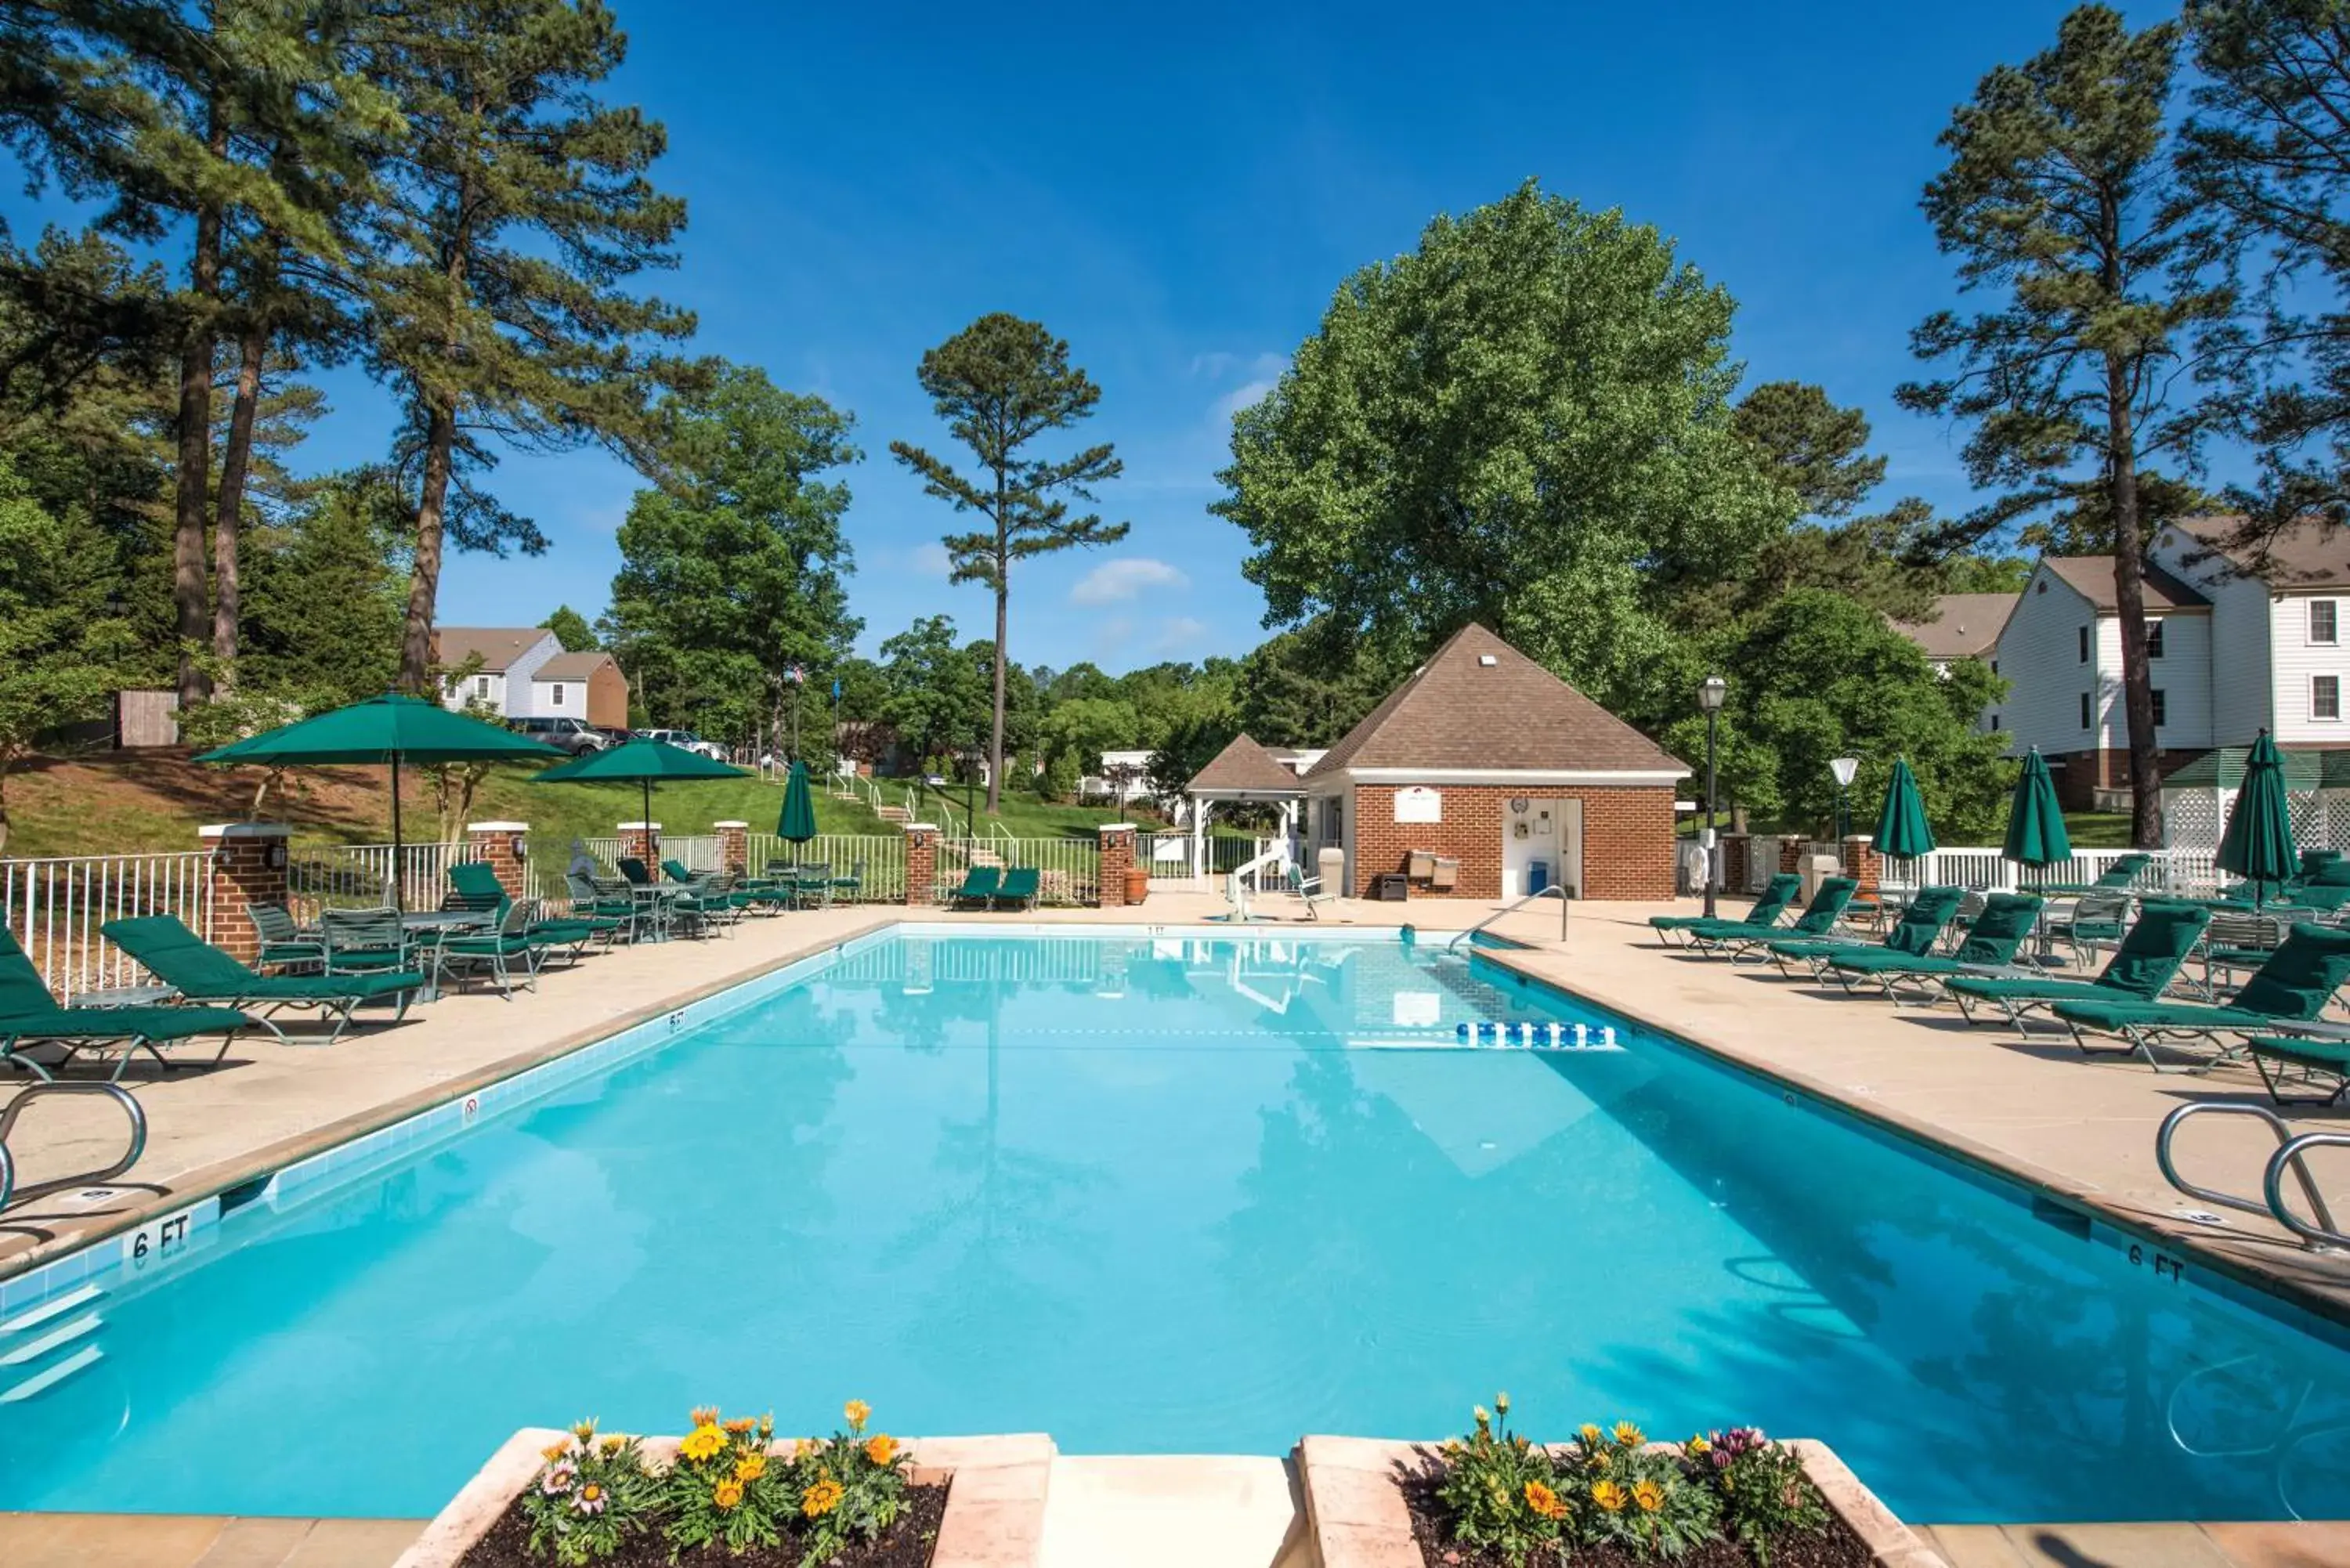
[1968,627]
[1245,765]
[1479,704]
[574,666]
[2093,577]
[499,646]
[2309,554]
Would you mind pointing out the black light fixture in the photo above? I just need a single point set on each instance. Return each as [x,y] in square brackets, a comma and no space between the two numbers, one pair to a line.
[1710,693]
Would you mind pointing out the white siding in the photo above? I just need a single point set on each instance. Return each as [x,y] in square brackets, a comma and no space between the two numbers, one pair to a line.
[472,686]
[2241,700]
[2297,659]
[2183,676]
[2039,658]
[525,691]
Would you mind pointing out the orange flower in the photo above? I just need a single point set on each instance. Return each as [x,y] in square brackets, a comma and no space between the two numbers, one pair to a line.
[1608,1495]
[740,1425]
[858,1412]
[726,1493]
[703,1416]
[1545,1501]
[881,1448]
[554,1451]
[821,1499]
[801,1447]
[750,1467]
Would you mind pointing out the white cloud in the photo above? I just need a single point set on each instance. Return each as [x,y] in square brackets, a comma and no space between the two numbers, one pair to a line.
[1125,578]
[931,560]
[1263,374]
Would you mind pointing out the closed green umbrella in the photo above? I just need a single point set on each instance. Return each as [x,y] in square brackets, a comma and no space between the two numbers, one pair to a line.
[797,824]
[388,729]
[2035,823]
[2257,844]
[645,762]
[1901,826]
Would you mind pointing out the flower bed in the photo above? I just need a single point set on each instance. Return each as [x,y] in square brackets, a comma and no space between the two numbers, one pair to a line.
[1607,1498]
[731,1492]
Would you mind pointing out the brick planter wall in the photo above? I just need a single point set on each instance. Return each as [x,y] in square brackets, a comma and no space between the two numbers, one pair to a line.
[499,845]
[1627,837]
[1858,857]
[921,863]
[642,841]
[1117,860]
[240,876]
[734,847]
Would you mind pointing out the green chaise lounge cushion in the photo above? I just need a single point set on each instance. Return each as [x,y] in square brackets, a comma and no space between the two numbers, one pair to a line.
[1912,936]
[1019,885]
[202,972]
[2293,987]
[1768,906]
[1818,919]
[979,884]
[2006,921]
[2143,967]
[28,1011]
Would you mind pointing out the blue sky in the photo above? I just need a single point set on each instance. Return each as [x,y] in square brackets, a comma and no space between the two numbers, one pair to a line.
[1178,191]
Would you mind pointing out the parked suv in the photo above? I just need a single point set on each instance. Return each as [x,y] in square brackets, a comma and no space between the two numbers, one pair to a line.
[686,740]
[565,734]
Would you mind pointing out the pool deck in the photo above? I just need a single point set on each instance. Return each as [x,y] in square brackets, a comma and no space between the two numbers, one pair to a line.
[2034,1107]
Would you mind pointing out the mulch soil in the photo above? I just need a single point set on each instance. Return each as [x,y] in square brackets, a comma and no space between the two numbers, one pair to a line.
[1836,1547]
[907,1545]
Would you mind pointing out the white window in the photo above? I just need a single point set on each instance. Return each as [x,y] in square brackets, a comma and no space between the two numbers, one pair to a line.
[557,700]
[2325,696]
[481,686]
[2322,626]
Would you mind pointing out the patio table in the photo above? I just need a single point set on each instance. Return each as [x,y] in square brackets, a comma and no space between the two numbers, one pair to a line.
[431,927]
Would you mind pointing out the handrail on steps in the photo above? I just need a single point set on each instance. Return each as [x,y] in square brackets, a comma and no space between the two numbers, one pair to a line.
[11,1193]
[1565,904]
[2319,1236]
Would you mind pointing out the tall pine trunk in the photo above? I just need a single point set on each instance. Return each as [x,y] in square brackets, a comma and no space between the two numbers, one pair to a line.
[193,486]
[1002,623]
[236,460]
[2130,604]
[424,582]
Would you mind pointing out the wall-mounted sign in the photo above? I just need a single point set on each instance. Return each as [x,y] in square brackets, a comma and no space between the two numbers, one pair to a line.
[1419,803]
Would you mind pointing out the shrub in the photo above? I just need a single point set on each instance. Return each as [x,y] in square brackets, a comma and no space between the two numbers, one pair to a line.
[1501,1491]
[592,1495]
[1631,1494]
[725,1487]
[1765,1494]
[848,1485]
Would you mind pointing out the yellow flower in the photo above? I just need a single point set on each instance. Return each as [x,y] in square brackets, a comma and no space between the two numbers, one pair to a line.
[591,1492]
[1543,1500]
[740,1425]
[1607,1495]
[750,1467]
[726,1493]
[1630,1436]
[612,1446]
[585,1431]
[704,1442]
[1501,1403]
[1697,1444]
[821,1499]
[1648,1495]
[801,1447]
[554,1451]
[857,1411]
[881,1448]
[1484,1418]
[1589,1434]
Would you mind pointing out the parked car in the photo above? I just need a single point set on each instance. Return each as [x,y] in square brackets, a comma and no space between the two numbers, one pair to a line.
[572,735]
[614,733]
[686,740]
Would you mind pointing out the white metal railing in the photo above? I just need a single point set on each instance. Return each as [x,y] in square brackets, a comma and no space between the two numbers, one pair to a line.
[876,861]
[54,908]
[1223,853]
[359,876]
[2184,871]
[1069,869]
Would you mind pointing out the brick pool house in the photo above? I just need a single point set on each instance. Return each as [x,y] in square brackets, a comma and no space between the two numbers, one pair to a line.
[1484,774]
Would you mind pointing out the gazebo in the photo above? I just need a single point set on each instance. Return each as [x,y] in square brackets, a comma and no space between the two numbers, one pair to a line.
[1243,773]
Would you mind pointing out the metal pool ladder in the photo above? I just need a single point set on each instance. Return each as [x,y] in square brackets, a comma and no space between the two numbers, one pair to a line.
[2319,1233]
[11,1193]
[1565,904]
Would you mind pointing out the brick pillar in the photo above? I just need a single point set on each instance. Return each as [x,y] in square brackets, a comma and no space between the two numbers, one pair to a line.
[1857,855]
[1791,853]
[641,840]
[247,866]
[1116,859]
[1737,862]
[734,847]
[921,863]
[499,846]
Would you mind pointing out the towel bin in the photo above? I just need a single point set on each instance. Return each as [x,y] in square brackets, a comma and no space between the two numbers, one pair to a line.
[1419,864]
[1444,873]
[1537,876]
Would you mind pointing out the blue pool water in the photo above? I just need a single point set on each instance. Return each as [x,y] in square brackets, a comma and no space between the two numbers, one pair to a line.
[1178,1195]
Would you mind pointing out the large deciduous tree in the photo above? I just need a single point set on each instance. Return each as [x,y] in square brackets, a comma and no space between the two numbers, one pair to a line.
[1001,383]
[735,571]
[936,700]
[1526,421]
[2082,378]
[519,216]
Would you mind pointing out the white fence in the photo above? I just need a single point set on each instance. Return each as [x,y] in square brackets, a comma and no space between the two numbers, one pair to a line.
[54,908]
[359,876]
[1169,854]
[877,861]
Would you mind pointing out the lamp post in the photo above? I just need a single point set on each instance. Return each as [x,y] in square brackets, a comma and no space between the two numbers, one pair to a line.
[1843,770]
[1709,695]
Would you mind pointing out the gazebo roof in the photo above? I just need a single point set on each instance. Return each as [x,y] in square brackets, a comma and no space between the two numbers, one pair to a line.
[1245,768]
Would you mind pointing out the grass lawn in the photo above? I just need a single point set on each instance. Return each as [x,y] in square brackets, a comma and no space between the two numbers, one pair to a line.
[2098,829]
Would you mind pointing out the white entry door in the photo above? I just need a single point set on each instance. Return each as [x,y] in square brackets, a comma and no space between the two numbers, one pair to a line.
[1541,835]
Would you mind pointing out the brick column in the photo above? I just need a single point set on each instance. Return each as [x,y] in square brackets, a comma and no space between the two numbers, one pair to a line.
[642,841]
[1116,859]
[921,863]
[247,866]
[1791,853]
[1857,855]
[1737,861]
[499,846]
[734,847]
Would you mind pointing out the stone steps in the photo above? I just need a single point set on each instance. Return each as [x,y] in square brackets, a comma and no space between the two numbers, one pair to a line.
[1174,1510]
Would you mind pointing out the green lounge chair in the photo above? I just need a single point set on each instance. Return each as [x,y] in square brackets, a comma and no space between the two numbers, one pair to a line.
[1018,890]
[978,889]
[30,1016]
[1818,919]
[286,942]
[2006,921]
[2322,1064]
[475,886]
[2292,988]
[714,891]
[202,972]
[1914,935]
[1766,910]
[2150,956]
[617,907]
[502,953]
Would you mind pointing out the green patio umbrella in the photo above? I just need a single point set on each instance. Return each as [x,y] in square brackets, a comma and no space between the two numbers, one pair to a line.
[645,762]
[390,729]
[796,824]
[2035,823]
[2257,844]
[1902,832]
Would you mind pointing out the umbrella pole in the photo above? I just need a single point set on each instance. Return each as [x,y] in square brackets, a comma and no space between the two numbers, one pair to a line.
[653,850]
[398,893]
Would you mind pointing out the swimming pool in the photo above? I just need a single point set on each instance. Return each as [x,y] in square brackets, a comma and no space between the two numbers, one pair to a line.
[1177,1193]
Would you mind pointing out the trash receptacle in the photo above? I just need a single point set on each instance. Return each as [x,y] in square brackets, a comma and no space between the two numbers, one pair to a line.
[1390,887]
[1537,876]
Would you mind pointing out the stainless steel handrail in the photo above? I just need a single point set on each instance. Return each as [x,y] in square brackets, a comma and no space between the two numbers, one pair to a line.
[2288,1155]
[9,1191]
[1564,905]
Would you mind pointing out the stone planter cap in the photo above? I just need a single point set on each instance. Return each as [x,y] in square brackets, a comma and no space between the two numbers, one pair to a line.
[640,826]
[922,827]
[1115,827]
[730,824]
[246,830]
[497,827]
